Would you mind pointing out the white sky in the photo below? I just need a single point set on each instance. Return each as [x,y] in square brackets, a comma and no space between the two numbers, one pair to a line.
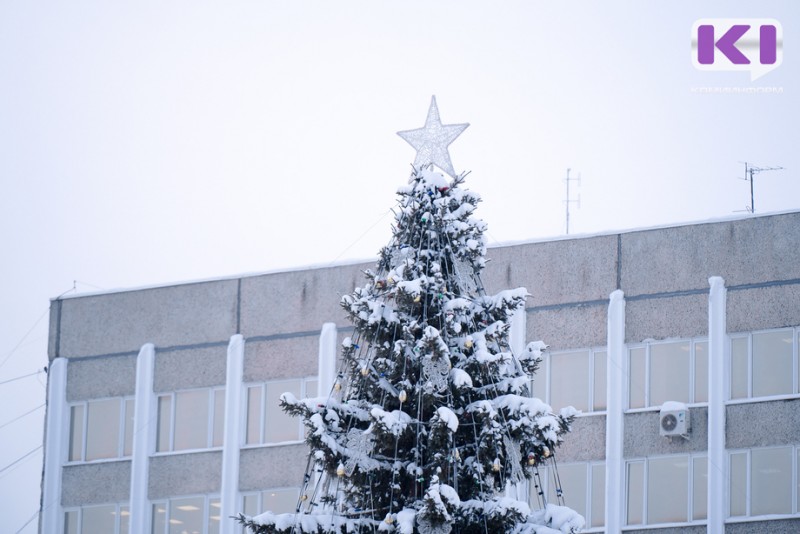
[155,142]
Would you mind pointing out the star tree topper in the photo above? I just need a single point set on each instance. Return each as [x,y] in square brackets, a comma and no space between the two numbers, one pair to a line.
[431,141]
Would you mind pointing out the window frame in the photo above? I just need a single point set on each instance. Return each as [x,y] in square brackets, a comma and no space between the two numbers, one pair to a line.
[122,442]
[546,480]
[121,509]
[208,499]
[748,336]
[545,372]
[645,461]
[794,483]
[262,411]
[210,419]
[692,375]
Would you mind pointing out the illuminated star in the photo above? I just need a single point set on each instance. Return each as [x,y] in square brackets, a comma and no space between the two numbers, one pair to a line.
[431,141]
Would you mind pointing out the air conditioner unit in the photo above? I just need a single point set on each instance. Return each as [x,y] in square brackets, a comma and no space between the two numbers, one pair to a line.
[674,420]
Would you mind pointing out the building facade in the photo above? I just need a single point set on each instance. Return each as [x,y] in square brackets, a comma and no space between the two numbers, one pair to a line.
[162,413]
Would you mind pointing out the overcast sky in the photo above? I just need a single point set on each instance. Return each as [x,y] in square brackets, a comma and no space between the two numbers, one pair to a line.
[156,142]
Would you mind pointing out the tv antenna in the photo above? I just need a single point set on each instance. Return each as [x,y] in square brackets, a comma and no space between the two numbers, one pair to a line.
[569,200]
[750,172]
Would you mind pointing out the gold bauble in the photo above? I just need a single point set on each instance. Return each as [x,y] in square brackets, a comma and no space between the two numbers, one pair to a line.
[364,371]
[468,344]
[402,396]
[340,470]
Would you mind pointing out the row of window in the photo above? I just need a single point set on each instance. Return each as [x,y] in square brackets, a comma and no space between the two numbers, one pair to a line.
[659,490]
[187,420]
[762,364]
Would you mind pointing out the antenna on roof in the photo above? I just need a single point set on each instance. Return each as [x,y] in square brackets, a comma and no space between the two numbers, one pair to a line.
[749,173]
[569,200]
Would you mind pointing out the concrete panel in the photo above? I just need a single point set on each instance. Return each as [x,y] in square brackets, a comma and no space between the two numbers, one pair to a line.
[664,318]
[758,249]
[586,441]
[95,378]
[642,438]
[761,308]
[297,301]
[96,483]
[763,424]
[556,272]
[272,467]
[276,359]
[167,316]
[779,526]
[185,474]
[190,368]
[569,328]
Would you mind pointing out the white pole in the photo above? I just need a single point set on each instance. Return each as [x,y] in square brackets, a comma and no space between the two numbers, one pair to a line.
[229,493]
[144,427]
[615,387]
[54,446]
[327,359]
[717,371]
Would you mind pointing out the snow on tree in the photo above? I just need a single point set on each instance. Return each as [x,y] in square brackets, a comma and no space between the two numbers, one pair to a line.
[430,418]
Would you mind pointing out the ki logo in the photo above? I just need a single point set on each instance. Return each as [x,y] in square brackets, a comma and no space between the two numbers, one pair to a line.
[754,45]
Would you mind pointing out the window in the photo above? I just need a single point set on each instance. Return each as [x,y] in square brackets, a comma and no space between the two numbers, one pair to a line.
[195,515]
[667,489]
[100,429]
[761,482]
[582,487]
[106,518]
[764,364]
[668,371]
[574,378]
[266,421]
[190,419]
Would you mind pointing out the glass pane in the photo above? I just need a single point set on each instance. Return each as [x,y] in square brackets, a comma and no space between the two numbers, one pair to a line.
[636,384]
[219,418]
[635,491]
[797,489]
[102,429]
[600,374]
[253,434]
[186,515]
[128,439]
[701,371]
[771,481]
[573,485]
[738,480]
[98,519]
[598,496]
[772,363]
[124,519]
[191,419]
[669,373]
[76,436]
[280,501]
[312,387]
[250,505]
[279,426]
[668,490]
[159,524]
[739,368]
[569,380]
[71,521]
[164,418]
[699,488]
[214,508]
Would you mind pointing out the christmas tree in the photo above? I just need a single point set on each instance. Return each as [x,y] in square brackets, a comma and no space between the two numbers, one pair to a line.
[430,420]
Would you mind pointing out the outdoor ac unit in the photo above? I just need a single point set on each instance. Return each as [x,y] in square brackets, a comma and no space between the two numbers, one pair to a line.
[674,420]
